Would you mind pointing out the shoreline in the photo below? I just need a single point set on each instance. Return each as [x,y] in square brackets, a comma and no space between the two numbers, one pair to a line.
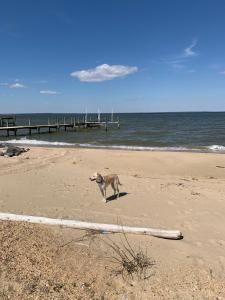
[216,149]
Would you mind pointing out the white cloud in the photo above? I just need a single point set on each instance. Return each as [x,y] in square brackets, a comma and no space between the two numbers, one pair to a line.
[17,85]
[188,52]
[48,92]
[103,72]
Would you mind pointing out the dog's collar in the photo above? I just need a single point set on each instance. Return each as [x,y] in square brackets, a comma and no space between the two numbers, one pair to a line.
[100,180]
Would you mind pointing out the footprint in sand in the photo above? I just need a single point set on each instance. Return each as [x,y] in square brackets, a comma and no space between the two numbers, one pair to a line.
[143,215]
[178,184]
[195,194]
[217,242]
[221,242]
[198,244]
[199,261]
[188,211]
[222,261]
[136,176]
[170,202]
[188,225]
[193,178]
[184,179]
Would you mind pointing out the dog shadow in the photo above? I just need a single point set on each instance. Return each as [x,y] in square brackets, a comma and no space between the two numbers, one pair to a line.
[114,197]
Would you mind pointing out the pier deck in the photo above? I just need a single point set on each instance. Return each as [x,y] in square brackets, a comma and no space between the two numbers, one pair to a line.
[57,126]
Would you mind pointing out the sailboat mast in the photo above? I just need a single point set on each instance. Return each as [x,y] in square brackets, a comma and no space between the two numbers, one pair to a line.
[99,115]
[112,115]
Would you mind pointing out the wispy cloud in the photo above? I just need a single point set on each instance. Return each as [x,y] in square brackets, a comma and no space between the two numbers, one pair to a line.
[222,72]
[179,61]
[4,84]
[103,72]
[48,92]
[17,85]
[189,52]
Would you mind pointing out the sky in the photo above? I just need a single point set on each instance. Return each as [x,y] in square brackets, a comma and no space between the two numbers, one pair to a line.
[125,55]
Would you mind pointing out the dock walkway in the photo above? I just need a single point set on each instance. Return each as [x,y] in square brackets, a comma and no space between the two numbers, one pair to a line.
[56,126]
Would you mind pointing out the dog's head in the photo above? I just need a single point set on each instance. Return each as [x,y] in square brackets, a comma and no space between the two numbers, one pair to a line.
[96,177]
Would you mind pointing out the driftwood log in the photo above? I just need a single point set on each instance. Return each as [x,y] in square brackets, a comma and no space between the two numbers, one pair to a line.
[161,233]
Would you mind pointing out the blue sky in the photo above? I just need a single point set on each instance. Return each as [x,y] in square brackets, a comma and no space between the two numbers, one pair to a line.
[143,55]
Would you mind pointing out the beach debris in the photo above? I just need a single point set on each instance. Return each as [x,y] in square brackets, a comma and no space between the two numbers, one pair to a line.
[10,151]
[161,233]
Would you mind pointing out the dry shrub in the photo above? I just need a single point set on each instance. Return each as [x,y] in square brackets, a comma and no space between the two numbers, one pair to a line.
[128,261]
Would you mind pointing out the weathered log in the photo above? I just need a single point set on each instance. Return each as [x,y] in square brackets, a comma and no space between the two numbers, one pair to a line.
[162,233]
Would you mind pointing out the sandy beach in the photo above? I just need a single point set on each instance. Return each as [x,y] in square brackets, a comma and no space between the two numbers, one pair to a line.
[171,190]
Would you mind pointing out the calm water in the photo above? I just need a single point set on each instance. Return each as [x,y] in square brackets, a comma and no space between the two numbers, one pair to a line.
[166,131]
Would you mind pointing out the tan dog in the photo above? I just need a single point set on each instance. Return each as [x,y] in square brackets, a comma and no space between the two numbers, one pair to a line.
[104,181]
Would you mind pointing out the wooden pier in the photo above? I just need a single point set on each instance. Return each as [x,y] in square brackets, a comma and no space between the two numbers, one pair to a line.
[56,126]
[7,120]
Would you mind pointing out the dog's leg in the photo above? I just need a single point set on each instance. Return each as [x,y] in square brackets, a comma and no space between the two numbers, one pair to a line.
[113,187]
[117,188]
[118,192]
[103,194]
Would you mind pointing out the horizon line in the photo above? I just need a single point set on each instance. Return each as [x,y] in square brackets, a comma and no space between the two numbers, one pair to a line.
[138,112]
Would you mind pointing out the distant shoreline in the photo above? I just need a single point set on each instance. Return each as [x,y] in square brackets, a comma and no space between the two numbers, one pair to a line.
[108,113]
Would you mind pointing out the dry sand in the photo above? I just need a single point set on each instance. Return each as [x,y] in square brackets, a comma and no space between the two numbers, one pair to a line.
[182,191]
